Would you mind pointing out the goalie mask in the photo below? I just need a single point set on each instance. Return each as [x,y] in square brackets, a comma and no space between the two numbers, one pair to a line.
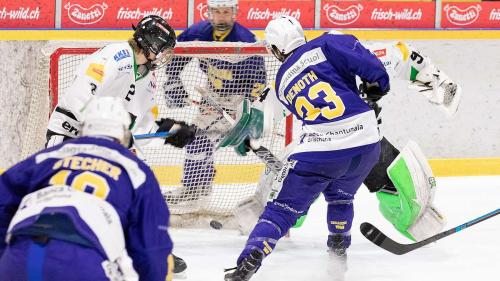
[283,35]
[107,116]
[154,36]
[221,18]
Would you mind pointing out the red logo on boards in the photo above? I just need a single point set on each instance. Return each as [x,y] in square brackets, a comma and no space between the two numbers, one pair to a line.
[458,16]
[203,10]
[339,16]
[82,15]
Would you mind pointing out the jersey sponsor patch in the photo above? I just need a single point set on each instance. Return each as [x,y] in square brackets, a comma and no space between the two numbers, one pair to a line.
[121,55]
[125,68]
[95,71]
[380,53]
[309,58]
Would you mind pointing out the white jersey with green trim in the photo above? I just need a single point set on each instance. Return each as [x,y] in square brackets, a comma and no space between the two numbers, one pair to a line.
[399,59]
[110,71]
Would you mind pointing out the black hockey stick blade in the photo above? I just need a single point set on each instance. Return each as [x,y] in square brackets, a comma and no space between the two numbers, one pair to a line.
[380,239]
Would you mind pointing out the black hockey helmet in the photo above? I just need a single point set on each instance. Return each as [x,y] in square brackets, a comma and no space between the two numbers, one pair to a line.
[154,35]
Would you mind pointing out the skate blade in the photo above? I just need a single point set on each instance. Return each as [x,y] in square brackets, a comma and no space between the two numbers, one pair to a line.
[180,275]
[337,267]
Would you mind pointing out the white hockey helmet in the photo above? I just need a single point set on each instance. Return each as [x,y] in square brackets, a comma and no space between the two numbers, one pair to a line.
[106,116]
[222,3]
[283,35]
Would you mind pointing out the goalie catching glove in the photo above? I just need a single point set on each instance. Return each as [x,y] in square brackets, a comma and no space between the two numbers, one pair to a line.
[180,133]
[438,88]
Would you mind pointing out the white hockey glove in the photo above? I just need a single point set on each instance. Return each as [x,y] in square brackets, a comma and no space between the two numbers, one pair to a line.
[438,88]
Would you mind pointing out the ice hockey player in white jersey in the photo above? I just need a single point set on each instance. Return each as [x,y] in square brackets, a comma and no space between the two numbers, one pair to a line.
[86,209]
[124,70]
[403,180]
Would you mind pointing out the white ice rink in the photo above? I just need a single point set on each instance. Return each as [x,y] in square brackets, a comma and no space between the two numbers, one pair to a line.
[470,255]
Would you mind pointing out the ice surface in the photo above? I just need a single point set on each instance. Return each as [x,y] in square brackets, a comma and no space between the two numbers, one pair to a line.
[472,254]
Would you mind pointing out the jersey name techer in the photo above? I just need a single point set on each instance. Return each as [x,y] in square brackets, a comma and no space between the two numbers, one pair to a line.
[89,164]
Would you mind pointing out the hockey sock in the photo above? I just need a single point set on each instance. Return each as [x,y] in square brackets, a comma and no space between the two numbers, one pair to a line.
[340,215]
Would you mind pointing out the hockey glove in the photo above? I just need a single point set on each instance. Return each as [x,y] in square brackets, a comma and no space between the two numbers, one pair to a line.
[371,91]
[374,105]
[265,92]
[181,134]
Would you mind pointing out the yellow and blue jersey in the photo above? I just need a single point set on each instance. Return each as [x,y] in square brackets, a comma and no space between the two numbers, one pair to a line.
[109,171]
[317,83]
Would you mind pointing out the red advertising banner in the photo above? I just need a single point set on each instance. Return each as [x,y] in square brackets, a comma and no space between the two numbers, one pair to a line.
[374,14]
[27,14]
[471,15]
[257,13]
[121,13]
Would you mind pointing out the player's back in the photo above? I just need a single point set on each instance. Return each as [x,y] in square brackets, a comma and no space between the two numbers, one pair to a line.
[76,229]
[317,83]
[98,166]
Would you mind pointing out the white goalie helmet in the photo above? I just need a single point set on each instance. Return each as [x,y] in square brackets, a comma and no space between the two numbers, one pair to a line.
[222,3]
[106,116]
[285,34]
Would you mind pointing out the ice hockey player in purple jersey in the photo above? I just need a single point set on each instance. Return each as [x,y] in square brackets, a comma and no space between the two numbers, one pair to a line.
[86,209]
[339,141]
[227,81]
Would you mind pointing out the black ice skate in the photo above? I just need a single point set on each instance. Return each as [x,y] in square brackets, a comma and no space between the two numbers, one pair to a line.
[338,257]
[180,267]
[336,245]
[246,268]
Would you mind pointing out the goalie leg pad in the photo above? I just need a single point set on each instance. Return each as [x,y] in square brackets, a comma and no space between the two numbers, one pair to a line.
[430,223]
[247,212]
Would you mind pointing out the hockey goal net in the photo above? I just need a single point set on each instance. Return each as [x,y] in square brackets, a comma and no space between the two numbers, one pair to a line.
[199,182]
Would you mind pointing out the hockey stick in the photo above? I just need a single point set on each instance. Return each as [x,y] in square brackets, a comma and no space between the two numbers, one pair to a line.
[164,135]
[271,161]
[152,135]
[380,239]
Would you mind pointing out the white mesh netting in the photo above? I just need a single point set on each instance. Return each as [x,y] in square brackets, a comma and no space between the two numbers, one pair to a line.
[199,182]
